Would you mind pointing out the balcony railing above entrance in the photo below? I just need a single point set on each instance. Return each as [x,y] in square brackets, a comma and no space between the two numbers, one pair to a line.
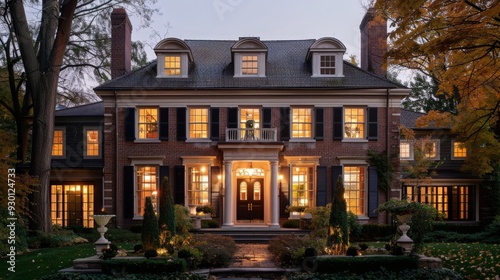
[251,135]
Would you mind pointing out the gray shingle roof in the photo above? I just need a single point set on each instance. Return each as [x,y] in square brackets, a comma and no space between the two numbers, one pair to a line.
[92,109]
[409,118]
[212,68]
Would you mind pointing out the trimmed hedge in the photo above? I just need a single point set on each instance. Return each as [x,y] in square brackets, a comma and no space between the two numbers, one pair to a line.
[78,276]
[365,264]
[155,266]
[410,274]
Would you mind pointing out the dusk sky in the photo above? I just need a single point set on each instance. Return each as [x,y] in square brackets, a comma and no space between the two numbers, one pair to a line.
[267,19]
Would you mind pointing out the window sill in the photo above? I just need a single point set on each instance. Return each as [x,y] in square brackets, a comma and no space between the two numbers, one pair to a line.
[354,140]
[302,141]
[327,76]
[172,77]
[198,141]
[138,218]
[147,141]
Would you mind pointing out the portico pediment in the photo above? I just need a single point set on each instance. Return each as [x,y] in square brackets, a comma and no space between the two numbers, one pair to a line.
[240,151]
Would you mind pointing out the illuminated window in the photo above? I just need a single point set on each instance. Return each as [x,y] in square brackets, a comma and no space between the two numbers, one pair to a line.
[301,123]
[454,202]
[256,191]
[249,65]
[197,188]
[58,143]
[302,186]
[430,149]
[173,65]
[148,123]
[92,143]
[72,205]
[146,185]
[354,123]
[243,191]
[198,123]
[327,65]
[249,123]
[354,185]
[459,150]
[405,150]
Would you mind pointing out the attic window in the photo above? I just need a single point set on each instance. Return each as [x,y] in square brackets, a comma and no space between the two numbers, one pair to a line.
[326,57]
[173,56]
[249,57]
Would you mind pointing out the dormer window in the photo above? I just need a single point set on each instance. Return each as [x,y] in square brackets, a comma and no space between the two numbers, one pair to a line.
[326,58]
[173,56]
[249,57]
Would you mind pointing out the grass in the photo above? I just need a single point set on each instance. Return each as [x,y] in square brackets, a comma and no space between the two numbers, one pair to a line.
[473,260]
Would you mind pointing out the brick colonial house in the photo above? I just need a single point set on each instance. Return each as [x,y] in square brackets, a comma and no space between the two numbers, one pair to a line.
[247,126]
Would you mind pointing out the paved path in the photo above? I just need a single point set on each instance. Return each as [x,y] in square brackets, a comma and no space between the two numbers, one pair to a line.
[252,255]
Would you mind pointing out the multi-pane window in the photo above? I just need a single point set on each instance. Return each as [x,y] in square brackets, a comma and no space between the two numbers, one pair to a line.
[92,141]
[301,122]
[302,186]
[354,185]
[72,205]
[197,188]
[454,202]
[198,123]
[172,65]
[148,123]
[430,149]
[354,123]
[249,65]
[327,65]
[459,150]
[146,185]
[405,150]
[58,143]
[249,123]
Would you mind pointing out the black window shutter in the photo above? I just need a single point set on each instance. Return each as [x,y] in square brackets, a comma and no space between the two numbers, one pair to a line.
[266,122]
[128,192]
[337,123]
[372,123]
[129,124]
[372,191]
[181,124]
[164,124]
[319,119]
[232,117]
[214,124]
[284,192]
[285,124]
[321,186]
[336,173]
[164,172]
[179,197]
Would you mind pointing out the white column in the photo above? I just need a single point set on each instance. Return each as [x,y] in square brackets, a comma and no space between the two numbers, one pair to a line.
[275,206]
[228,198]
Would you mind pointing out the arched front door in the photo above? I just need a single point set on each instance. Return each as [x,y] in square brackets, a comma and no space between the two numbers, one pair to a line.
[250,201]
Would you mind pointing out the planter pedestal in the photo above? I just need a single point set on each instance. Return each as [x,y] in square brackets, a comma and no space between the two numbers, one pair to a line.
[404,241]
[102,242]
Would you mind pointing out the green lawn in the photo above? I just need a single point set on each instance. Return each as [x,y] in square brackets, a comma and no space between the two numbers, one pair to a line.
[473,260]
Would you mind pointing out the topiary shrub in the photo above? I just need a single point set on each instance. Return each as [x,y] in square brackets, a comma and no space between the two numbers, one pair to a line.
[150,253]
[209,224]
[352,251]
[192,256]
[166,221]
[150,232]
[182,219]
[338,234]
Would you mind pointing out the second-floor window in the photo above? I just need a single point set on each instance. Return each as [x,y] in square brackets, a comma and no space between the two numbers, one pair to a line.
[405,151]
[430,149]
[58,143]
[92,143]
[249,123]
[148,123]
[173,65]
[301,122]
[198,123]
[354,123]
[459,150]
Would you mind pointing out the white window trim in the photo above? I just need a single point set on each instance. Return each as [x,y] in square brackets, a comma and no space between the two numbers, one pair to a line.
[146,140]
[410,143]
[358,163]
[453,157]
[365,131]
[188,131]
[438,149]
[63,142]
[99,142]
[313,122]
[316,63]
[307,163]
[261,61]
[160,65]
[144,161]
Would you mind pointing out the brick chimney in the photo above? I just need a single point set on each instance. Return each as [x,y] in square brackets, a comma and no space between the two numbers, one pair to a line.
[121,43]
[373,43]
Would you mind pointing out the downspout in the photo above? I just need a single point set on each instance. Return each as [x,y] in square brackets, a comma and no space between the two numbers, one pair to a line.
[387,192]
[116,157]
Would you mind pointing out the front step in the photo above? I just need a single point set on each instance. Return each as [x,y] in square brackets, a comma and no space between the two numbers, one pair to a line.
[251,234]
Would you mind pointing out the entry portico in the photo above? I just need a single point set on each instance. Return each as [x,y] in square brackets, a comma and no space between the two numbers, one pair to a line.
[251,182]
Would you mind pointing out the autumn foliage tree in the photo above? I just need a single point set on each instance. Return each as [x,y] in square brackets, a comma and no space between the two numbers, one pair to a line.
[456,43]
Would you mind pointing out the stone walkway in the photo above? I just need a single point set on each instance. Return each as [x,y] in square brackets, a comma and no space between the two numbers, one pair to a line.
[252,255]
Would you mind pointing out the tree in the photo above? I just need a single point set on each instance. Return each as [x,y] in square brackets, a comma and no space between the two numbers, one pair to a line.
[43,59]
[150,233]
[166,220]
[338,232]
[456,43]
[424,98]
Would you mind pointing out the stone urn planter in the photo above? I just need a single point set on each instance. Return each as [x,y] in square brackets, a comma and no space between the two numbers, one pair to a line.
[404,241]
[102,242]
